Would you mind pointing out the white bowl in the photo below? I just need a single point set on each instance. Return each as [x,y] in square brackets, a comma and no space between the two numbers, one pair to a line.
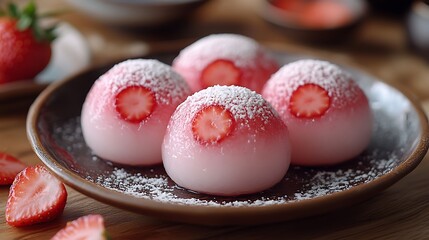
[136,13]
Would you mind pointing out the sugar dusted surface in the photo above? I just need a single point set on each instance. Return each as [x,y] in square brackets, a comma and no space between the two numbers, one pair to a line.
[333,79]
[154,184]
[112,137]
[240,49]
[166,84]
[319,183]
[236,99]
[240,158]
[256,64]
[384,155]
[349,113]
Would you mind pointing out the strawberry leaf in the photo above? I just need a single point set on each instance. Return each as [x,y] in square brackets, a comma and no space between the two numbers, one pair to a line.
[30,9]
[28,18]
[24,22]
[50,33]
[13,10]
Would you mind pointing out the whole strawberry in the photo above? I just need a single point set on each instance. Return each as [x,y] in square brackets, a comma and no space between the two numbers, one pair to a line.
[25,48]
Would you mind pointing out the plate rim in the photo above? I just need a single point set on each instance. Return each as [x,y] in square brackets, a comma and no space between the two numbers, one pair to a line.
[225,215]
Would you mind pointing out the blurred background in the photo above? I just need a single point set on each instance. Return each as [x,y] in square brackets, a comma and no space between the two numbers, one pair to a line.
[374,35]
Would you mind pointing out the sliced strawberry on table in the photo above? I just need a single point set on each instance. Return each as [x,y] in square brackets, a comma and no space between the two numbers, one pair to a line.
[212,124]
[220,72]
[86,227]
[9,168]
[309,101]
[35,196]
[134,104]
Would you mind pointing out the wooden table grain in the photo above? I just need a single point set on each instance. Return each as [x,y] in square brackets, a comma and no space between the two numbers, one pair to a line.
[379,48]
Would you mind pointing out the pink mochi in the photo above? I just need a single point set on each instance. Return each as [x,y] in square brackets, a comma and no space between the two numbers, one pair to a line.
[130,141]
[344,129]
[225,59]
[251,156]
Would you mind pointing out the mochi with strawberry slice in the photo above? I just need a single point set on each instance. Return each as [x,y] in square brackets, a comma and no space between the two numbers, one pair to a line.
[127,110]
[225,59]
[227,141]
[327,113]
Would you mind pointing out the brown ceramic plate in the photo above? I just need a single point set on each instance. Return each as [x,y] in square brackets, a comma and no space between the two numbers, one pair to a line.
[400,140]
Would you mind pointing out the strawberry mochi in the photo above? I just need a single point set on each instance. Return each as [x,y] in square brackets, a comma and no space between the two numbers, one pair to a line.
[226,140]
[327,113]
[127,110]
[225,59]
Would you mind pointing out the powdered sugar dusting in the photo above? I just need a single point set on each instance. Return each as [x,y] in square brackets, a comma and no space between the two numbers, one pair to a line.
[167,85]
[153,183]
[243,103]
[339,85]
[328,182]
[319,183]
[133,184]
[394,140]
[160,189]
[241,50]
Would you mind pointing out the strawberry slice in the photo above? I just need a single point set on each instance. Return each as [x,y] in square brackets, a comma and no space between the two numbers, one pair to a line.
[309,101]
[35,196]
[86,227]
[220,72]
[134,104]
[9,168]
[212,124]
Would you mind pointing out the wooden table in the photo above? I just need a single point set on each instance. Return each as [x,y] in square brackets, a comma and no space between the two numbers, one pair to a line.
[380,48]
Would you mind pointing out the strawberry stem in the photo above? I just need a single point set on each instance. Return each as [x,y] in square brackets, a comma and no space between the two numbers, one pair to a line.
[28,18]
[12,10]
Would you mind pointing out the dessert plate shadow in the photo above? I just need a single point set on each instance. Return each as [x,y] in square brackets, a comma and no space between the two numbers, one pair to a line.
[399,142]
